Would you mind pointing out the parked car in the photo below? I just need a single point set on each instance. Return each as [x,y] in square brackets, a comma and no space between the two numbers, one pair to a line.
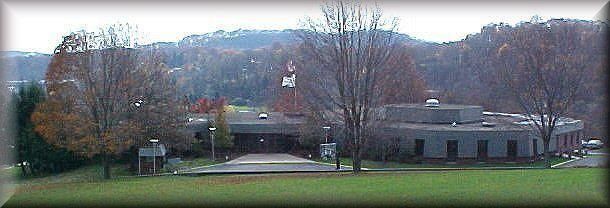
[593,144]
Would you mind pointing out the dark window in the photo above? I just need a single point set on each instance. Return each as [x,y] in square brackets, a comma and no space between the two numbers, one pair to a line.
[511,149]
[419,147]
[482,149]
[565,140]
[452,150]
[535,146]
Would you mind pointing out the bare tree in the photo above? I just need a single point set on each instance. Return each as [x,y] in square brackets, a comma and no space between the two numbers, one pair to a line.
[112,96]
[350,44]
[543,70]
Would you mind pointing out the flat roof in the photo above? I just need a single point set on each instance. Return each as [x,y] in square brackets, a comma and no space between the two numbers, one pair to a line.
[440,107]
[288,123]
[249,122]
[252,118]
[500,121]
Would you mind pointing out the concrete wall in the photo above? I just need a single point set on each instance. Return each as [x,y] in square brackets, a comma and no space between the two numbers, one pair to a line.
[561,131]
[435,142]
[435,146]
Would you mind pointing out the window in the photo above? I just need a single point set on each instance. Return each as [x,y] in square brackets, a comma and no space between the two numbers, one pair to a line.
[419,147]
[482,149]
[452,150]
[511,149]
[535,147]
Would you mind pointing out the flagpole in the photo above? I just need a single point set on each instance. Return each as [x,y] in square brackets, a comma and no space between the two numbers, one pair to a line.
[295,95]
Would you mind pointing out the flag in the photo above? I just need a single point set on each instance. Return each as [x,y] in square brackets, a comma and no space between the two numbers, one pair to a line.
[289,81]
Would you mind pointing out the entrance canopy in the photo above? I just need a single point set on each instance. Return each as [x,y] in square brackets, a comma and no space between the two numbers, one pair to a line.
[251,123]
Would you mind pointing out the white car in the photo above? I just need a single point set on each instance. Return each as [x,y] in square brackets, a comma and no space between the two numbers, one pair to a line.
[593,144]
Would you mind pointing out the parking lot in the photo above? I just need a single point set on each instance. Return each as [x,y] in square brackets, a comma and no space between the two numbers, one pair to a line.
[594,158]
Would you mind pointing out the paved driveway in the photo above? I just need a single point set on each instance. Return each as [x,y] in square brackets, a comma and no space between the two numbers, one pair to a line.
[268,158]
[267,163]
[589,161]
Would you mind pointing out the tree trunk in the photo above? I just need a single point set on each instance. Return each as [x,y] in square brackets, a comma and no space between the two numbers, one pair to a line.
[106,165]
[356,157]
[547,153]
[23,170]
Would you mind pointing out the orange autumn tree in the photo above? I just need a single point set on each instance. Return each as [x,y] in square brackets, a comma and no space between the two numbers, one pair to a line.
[105,95]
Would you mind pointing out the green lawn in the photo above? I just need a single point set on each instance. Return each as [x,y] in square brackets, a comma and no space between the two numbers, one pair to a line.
[390,164]
[193,163]
[565,187]
[92,173]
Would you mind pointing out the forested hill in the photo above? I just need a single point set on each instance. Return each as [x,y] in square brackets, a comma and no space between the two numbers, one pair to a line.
[23,65]
[245,65]
[32,66]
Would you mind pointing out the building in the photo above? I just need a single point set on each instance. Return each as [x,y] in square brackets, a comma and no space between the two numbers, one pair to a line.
[151,159]
[430,132]
[253,133]
[448,133]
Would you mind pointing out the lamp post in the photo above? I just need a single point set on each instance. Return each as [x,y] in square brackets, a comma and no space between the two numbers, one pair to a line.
[326,129]
[337,160]
[139,104]
[212,129]
[154,141]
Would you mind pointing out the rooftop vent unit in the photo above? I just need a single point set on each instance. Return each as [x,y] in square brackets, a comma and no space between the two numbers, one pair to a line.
[262,116]
[432,102]
[487,124]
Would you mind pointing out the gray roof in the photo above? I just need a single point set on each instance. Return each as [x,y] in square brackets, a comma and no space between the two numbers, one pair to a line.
[290,123]
[248,122]
[441,106]
[150,151]
[501,121]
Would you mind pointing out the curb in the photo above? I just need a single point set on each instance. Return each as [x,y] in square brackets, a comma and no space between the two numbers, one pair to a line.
[349,170]
[562,163]
[332,164]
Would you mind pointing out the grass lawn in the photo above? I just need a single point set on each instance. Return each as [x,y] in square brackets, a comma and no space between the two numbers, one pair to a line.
[193,163]
[92,173]
[6,174]
[577,186]
[390,164]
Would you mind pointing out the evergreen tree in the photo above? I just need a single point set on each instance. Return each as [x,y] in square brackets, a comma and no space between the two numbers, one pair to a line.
[41,157]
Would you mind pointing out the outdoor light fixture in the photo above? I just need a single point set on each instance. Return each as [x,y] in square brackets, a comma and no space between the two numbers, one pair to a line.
[212,129]
[326,128]
[138,103]
[154,141]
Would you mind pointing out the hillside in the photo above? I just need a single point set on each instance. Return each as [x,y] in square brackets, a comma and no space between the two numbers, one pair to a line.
[244,65]
[24,65]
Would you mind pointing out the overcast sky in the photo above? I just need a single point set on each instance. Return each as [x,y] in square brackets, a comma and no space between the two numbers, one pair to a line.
[38,26]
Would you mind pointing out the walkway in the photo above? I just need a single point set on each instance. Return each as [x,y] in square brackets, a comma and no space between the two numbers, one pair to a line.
[268,158]
[267,163]
[593,159]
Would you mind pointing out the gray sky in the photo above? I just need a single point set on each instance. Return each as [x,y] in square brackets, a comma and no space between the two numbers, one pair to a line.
[38,26]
